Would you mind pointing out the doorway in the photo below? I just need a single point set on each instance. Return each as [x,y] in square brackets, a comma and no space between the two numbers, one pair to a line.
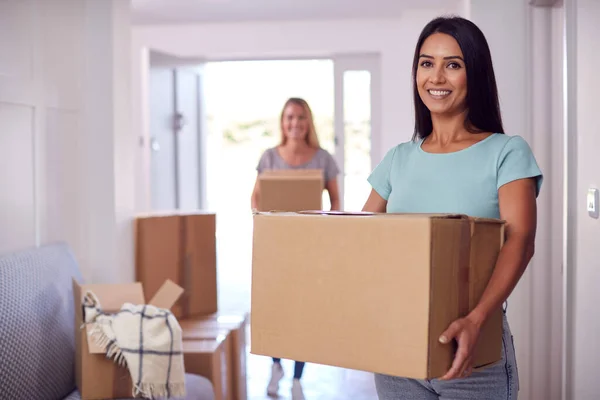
[211,122]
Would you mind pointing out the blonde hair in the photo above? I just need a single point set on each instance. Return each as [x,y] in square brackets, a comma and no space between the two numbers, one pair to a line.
[311,138]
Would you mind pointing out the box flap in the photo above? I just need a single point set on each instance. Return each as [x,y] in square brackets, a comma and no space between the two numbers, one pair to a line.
[167,295]
[111,298]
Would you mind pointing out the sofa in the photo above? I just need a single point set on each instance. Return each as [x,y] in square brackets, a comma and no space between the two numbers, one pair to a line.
[37,333]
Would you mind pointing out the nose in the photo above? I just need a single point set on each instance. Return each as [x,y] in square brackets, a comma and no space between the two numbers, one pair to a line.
[438,76]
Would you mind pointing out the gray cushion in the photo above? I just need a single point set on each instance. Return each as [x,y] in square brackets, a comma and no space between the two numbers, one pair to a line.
[197,388]
[37,343]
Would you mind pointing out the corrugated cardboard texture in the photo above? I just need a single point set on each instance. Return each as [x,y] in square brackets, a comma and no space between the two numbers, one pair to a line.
[449,287]
[363,292]
[208,358]
[487,238]
[159,255]
[337,290]
[291,190]
[200,265]
[180,247]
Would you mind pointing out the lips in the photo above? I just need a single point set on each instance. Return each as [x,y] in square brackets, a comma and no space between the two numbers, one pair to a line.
[439,94]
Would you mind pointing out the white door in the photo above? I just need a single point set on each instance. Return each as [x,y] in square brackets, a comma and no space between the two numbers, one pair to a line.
[187,138]
[357,124]
[162,138]
[175,133]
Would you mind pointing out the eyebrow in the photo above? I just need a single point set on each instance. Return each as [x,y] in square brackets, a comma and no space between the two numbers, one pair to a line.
[445,58]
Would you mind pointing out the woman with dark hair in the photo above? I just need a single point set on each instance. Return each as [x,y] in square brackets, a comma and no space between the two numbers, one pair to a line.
[460,161]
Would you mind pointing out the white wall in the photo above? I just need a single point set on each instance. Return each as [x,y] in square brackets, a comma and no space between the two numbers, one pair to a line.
[584,136]
[392,39]
[41,63]
[110,145]
[63,110]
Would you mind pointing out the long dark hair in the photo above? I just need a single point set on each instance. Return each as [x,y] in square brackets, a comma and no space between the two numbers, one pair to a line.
[483,107]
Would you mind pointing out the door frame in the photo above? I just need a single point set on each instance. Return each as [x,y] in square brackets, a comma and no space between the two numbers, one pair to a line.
[343,63]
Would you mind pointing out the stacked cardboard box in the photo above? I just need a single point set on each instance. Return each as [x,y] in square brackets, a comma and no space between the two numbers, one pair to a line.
[385,287]
[182,247]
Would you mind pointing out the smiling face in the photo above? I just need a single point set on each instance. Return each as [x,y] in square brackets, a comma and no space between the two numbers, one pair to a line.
[441,75]
[295,122]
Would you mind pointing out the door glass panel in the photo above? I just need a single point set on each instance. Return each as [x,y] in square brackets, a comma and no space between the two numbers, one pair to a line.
[357,138]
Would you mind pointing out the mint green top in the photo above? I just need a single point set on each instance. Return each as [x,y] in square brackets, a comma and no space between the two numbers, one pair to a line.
[462,182]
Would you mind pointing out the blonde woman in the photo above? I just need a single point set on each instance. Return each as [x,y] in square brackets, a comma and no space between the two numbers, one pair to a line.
[299,149]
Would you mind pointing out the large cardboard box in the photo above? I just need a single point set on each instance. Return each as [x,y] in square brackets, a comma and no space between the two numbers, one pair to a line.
[371,292]
[236,324]
[98,377]
[208,358]
[291,190]
[180,247]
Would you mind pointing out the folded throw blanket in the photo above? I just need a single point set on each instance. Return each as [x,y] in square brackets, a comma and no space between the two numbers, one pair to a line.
[145,339]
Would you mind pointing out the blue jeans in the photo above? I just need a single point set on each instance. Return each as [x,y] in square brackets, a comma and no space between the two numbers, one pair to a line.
[497,382]
[298,367]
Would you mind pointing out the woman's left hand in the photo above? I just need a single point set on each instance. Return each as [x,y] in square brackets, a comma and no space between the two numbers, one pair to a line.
[466,333]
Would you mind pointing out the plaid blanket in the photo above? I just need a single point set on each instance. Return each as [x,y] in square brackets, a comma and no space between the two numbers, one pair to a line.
[145,339]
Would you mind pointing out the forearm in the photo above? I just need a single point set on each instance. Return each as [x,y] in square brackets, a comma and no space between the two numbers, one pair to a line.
[510,266]
[334,198]
[335,204]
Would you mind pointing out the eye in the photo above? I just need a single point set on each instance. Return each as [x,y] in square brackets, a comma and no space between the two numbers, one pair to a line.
[454,65]
[426,64]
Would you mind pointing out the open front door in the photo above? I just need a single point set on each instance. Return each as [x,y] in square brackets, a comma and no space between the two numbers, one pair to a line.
[177,161]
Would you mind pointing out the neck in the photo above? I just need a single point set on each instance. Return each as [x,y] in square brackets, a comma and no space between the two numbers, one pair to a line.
[296,146]
[448,128]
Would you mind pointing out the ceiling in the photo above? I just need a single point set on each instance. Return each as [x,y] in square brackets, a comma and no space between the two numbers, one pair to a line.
[147,12]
